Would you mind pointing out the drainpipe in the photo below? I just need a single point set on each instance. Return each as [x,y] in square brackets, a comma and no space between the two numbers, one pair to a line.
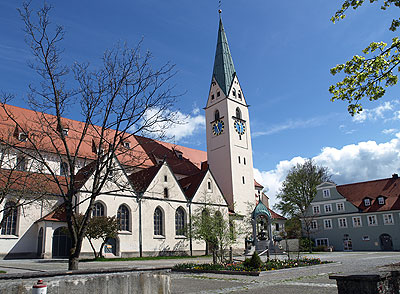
[190,229]
[139,200]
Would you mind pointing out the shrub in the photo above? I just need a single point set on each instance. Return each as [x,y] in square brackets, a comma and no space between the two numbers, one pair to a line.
[321,248]
[254,262]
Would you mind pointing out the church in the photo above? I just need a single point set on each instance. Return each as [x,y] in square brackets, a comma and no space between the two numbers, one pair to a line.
[170,185]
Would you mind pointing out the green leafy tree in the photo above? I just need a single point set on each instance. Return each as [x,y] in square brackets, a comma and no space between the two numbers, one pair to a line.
[299,189]
[369,74]
[101,228]
[209,225]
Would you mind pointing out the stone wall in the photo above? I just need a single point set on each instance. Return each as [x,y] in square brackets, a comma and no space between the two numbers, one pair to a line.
[111,283]
[380,283]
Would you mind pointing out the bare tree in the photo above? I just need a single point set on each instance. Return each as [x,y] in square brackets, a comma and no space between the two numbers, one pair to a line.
[119,99]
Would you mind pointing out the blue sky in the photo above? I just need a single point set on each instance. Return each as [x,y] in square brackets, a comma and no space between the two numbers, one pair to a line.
[282,53]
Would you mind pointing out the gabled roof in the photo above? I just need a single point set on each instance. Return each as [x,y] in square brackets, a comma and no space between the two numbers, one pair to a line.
[257,185]
[142,151]
[275,215]
[84,174]
[191,183]
[29,182]
[141,180]
[56,215]
[357,192]
[188,164]
[224,70]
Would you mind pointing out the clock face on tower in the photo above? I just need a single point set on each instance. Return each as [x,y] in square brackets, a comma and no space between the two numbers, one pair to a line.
[218,127]
[240,127]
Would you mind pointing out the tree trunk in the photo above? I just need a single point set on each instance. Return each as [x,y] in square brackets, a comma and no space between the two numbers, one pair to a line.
[214,257]
[101,248]
[94,249]
[309,241]
[73,262]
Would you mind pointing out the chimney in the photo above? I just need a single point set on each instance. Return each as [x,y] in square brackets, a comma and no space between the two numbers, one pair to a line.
[204,165]
[395,176]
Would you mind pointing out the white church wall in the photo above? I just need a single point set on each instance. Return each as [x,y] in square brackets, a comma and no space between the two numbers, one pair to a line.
[154,197]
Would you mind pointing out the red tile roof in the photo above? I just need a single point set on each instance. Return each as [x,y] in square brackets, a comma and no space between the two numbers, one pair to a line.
[191,183]
[274,215]
[142,151]
[257,185]
[357,192]
[141,180]
[188,164]
[56,215]
[28,182]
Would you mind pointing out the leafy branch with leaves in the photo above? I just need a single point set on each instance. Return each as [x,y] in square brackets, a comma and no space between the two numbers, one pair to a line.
[370,74]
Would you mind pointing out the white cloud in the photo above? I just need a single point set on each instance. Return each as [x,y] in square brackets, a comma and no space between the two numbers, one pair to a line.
[186,126]
[294,124]
[272,180]
[378,112]
[389,131]
[352,163]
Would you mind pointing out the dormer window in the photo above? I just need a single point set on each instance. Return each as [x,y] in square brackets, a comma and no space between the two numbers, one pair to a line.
[63,168]
[127,144]
[326,193]
[65,132]
[367,202]
[178,154]
[21,163]
[22,136]
[381,200]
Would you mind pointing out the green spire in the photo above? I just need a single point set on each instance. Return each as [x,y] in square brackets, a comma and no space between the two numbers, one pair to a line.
[224,69]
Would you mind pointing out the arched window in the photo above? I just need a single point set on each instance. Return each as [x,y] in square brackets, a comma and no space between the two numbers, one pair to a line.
[158,222]
[10,215]
[98,209]
[216,114]
[123,218]
[166,193]
[180,222]
[63,168]
[209,185]
[234,92]
[238,113]
[240,95]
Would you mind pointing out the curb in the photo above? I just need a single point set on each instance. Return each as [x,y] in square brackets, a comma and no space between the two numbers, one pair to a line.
[81,272]
[254,274]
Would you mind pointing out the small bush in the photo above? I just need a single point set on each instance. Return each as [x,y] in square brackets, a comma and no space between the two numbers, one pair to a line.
[321,248]
[254,262]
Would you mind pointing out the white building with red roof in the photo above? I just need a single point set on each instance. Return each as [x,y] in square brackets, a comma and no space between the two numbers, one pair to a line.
[156,186]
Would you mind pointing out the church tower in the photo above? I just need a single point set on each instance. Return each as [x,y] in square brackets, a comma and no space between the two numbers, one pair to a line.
[229,151]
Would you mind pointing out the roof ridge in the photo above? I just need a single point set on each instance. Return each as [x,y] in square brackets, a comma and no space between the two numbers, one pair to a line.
[371,181]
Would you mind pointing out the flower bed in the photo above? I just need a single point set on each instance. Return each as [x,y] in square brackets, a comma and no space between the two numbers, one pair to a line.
[243,267]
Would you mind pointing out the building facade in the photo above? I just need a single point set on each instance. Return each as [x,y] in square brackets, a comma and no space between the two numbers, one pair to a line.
[154,190]
[358,216]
